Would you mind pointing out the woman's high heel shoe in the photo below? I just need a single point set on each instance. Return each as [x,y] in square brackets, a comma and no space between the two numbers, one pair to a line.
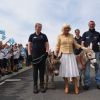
[66,90]
[76,90]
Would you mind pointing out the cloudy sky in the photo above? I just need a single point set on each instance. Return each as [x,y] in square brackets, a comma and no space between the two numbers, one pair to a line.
[17,17]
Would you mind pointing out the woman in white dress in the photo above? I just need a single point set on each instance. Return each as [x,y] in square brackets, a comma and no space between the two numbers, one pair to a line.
[68,68]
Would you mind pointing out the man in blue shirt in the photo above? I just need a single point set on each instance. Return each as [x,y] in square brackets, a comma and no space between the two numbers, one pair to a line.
[38,48]
[92,36]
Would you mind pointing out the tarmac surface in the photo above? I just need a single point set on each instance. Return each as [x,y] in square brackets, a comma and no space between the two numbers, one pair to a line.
[20,87]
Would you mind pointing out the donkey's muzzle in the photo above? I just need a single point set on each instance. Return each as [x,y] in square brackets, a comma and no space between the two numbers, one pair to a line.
[56,72]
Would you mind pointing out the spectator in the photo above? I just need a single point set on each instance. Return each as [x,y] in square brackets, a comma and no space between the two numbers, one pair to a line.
[16,54]
[28,62]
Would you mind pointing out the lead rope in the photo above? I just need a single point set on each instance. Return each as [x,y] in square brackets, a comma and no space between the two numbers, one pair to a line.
[39,58]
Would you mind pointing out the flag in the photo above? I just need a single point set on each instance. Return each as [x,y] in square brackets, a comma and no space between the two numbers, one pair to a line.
[2,32]
[3,37]
[11,41]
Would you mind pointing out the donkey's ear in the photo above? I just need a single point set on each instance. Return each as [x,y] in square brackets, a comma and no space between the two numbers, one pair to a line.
[60,55]
[53,52]
[91,45]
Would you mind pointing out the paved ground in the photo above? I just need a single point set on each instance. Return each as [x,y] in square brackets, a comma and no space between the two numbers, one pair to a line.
[22,90]
[18,90]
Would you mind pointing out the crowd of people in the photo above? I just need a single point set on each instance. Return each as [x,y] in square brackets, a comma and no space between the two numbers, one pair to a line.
[70,47]
[12,58]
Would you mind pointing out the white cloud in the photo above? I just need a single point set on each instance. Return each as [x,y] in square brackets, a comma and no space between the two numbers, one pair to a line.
[19,16]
